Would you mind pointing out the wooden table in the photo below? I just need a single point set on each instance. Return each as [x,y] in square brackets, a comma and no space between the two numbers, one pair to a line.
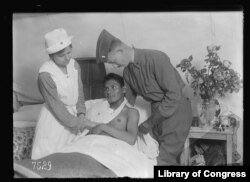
[202,133]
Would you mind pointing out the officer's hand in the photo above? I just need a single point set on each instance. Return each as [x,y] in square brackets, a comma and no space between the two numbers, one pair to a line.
[141,136]
[145,127]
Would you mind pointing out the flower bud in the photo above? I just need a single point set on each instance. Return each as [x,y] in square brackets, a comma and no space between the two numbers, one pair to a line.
[227,63]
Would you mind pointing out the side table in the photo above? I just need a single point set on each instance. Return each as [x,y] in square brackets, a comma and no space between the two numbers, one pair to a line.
[211,134]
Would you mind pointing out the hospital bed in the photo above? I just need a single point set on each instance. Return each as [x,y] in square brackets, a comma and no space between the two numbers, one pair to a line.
[61,165]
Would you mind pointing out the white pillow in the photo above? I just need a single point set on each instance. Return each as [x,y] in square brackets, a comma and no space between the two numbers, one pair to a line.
[89,103]
[28,113]
[144,108]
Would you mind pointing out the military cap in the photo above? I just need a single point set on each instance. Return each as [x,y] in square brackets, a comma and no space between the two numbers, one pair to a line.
[103,45]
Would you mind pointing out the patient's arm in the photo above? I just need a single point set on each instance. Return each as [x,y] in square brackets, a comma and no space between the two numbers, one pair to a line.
[88,123]
[128,135]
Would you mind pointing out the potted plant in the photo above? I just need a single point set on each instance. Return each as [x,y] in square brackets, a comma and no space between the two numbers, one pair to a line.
[214,80]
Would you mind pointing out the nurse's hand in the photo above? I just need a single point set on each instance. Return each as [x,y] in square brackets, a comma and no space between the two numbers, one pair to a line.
[86,123]
[97,129]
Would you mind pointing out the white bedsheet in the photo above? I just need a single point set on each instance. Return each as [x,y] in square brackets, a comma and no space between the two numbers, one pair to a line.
[123,159]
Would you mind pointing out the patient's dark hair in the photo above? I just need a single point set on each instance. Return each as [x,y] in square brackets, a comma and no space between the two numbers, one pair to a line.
[113,76]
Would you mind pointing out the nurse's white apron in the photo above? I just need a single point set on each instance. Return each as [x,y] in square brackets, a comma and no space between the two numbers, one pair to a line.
[51,135]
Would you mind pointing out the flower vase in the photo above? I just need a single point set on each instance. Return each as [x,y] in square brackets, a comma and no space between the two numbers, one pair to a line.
[208,112]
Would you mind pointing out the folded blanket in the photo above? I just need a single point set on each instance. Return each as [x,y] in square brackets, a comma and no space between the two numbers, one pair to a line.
[119,156]
[62,165]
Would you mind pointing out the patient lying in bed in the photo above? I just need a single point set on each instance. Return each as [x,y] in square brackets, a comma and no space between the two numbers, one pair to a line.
[120,121]
[123,120]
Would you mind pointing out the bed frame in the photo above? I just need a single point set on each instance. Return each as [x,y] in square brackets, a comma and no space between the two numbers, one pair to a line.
[92,74]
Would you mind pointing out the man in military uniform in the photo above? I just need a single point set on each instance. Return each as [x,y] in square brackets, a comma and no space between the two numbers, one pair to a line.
[150,74]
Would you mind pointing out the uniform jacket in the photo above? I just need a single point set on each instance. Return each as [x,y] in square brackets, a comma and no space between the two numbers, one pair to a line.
[152,76]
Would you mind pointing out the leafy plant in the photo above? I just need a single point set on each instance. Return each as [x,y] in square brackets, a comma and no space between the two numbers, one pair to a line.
[215,78]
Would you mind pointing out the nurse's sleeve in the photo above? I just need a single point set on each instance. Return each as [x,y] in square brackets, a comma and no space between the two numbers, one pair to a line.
[48,90]
[80,106]
[170,82]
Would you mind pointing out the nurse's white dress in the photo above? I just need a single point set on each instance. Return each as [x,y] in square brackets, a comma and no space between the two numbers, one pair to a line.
[50,135]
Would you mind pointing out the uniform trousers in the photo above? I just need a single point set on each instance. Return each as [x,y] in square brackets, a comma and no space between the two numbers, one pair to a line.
[172,132]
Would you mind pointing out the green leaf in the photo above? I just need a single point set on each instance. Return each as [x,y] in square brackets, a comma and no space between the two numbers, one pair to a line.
[190,58]
[217,48]
[206,60]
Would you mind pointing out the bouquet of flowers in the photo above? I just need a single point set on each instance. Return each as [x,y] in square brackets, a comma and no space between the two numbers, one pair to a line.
[215,78]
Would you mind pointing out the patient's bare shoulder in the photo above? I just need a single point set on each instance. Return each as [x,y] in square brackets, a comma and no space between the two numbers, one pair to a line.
[128,116]
[133,115]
